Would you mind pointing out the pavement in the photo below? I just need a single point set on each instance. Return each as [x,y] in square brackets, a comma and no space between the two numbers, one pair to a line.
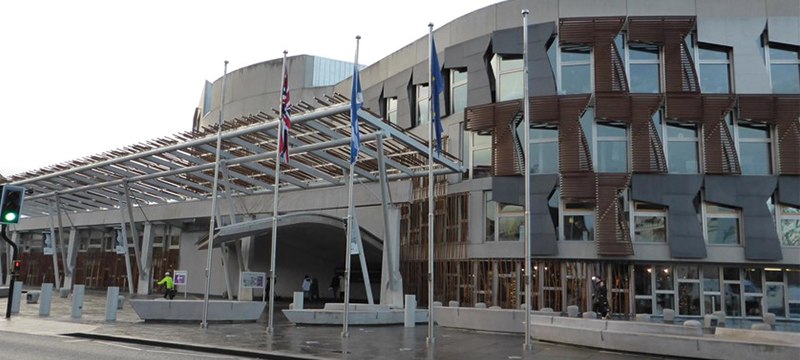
[288,341]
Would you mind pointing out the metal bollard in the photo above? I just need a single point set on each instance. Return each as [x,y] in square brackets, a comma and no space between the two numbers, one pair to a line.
[17,297]
[45,299]
[410,314]
[112,301]
[77,301]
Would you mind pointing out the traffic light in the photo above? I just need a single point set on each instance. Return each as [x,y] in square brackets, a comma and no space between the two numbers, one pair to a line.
[17,268]
[11,204]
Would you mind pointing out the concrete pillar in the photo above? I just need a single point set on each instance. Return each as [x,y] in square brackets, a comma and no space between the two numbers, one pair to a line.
[45,299]
[480,305]
[77,301]
[146,274]
[17,296]
[72,255]
[391,281]
[410,314]
[244,253]
[298,300]
[452,303]
[669,315]
[112,302]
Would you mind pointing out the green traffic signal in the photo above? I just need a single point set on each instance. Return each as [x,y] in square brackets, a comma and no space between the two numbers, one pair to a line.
[11,203]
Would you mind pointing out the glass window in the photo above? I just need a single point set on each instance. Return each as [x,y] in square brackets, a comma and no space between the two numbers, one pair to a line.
[644,68]
[663,278]
[711,278]
[714,69]
[576,72]
[774,300]
[578,222]
[650,223]
[481,154]
[722,225]
[752,305]
[544,150]
[784,68]
[642,275]
[612,147]
[687,272]
[733,299]
[423,113]
[682,148]
[508,69]
[793,277]
[391,110]
[458,90]
[789,225]
[510,228]
[587,124]
[491,214]
[664,301]
[755,146]
[752,281]
[688,298]
[730,273]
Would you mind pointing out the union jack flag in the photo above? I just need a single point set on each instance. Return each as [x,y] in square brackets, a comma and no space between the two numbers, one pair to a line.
[286,122]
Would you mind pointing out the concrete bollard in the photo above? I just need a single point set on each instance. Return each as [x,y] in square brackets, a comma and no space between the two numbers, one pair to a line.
[291,306]
[709,321]
[17,297]
[63,292]
[112,301]
[547,309]
[480,305]
[410,311]
[590,315]
[45,299]
[572,311]
[669,315]
[760,326]
[495,307]
[77,301]
[120,302]
[692,324]
[522,306]
[643,317]
[32,297]
[437,303]
[452,303]
[298,300]
[720,318]
[769,319]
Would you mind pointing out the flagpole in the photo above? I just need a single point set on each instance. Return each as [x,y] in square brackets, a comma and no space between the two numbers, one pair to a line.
[275,190]
[526,174]
[210,251]
[431,336]
[349,256]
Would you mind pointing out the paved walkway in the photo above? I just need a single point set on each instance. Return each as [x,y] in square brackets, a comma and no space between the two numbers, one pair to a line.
[385,342]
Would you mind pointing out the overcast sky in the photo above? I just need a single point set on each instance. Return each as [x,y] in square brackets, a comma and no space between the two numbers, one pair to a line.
[81,77]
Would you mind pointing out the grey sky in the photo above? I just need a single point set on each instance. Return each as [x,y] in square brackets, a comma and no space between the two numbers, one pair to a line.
[82,77]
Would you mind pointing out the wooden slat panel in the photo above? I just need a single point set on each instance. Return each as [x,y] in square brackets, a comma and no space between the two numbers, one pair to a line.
[506,154]
[719,150]
[599,32]
[611,233]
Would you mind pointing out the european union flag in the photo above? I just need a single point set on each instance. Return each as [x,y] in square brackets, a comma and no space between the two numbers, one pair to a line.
[437,87]
[356,101]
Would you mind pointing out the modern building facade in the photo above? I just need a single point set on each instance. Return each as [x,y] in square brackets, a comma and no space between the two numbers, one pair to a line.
[665,160]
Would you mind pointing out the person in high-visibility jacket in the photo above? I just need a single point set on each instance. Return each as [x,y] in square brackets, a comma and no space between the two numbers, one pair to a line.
[170,286]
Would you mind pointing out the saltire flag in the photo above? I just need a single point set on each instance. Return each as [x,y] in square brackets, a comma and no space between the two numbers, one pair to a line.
[356,101]
[286,122]
[437,87]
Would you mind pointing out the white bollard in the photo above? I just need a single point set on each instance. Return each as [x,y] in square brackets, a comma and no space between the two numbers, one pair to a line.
[63,292]
[410,315]
[17,297]
[45,299]
[77,301]
[298,300]
[112,301]
[120,302]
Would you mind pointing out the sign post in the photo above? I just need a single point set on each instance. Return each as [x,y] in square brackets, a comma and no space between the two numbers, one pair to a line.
[179,279]
[254,280]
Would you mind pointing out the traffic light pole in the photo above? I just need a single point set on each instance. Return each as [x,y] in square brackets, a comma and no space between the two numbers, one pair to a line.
[13,273]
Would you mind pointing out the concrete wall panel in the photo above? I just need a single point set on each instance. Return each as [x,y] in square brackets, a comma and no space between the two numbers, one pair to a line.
[580,8]
[661,7]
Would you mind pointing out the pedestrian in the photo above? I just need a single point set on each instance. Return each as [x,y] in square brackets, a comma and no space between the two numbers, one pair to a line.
[169,286]
[314,288]
[601,300]
[334,287]
[307,287]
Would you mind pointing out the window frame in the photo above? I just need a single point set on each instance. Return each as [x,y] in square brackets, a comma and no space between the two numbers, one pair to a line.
[628,62]
[723,215]
[768,61]
[564,212]
[634,205]
[419,100]
[496,64]
[560,64]
[389,111]
[696,46]
[456,84]
[782,214]
[734,124]
[475,148]
[596,140]
[665,123]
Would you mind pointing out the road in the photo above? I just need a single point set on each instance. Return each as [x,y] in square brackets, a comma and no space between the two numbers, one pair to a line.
[18,346]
